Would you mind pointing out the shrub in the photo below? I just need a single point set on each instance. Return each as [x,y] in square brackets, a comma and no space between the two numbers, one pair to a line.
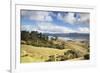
[60,58]
[87,56]
[51,58]
[70,54]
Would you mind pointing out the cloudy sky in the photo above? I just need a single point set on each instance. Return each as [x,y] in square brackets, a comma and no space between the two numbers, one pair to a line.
[54,21]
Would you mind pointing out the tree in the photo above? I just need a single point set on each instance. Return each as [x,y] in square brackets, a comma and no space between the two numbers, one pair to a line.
[56,38]
[34,35]
[25,35]
[40,35]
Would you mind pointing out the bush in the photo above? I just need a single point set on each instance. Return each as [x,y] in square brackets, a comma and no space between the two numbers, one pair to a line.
[70,54]
[60,58]
[87,56]
[51,58]
[56,58]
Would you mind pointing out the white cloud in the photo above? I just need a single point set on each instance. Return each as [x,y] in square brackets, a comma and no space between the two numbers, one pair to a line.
[48,18]
[59,16]
[71,19]
[84,18]
[83,30]
[43,24]
[52,28]
[37,15]
[46,27]
[68,17]
[28,28]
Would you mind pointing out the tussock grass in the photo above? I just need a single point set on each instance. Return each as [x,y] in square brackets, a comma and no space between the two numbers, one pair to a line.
[31,53]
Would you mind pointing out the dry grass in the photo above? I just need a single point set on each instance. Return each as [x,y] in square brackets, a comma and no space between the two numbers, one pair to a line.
[36,54]
[31,54]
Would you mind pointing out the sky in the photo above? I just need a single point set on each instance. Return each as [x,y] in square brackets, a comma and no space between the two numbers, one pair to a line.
[54,21]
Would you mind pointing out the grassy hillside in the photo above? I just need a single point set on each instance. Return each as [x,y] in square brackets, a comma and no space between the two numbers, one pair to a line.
[36,54]
[42,54]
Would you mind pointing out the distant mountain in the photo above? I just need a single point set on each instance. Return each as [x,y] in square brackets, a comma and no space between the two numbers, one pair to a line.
[69,35]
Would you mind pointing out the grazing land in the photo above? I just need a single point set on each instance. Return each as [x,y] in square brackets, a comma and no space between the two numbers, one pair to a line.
[72,51]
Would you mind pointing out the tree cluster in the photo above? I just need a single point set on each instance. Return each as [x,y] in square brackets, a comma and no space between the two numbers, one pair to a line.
[35,38]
